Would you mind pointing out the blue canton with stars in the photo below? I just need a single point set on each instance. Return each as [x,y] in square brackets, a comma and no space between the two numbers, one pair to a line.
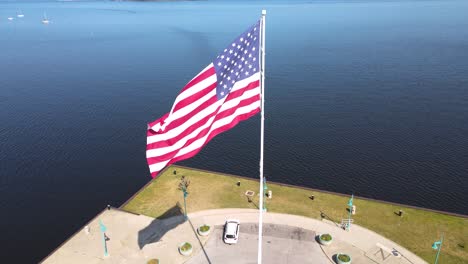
[238,61]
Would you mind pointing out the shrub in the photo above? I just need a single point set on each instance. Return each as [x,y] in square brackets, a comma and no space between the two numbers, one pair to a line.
[153,261]
[204,228]
[344,257]
[186,246]
[326,237]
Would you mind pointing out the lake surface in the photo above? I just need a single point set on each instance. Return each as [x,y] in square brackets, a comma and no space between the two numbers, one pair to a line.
[369,97]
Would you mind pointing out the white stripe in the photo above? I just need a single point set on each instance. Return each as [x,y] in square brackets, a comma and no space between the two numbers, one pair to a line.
[188,108]
[195,89]
[233,103]
[181,142]
[177,130]
[199,142]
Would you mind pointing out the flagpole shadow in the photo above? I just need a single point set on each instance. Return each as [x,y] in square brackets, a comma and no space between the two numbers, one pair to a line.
[199,241]
[160,226]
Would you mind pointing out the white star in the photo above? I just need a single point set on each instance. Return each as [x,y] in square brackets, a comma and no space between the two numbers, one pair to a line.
[219,64]
[221,82]
[245,62]
[225,50]
[253,49]
[229,69]
[248,34]
[233,44]
[225,86]
[235,53]
[250,66]
[255,28]
[255,38]
[233,82]
[255,69]
[232,71]
[225,66]
[250,55]
[230,51]
[238,46]
[246,73]
[222,56]
[235,64]
[229,78]
[254,59]
[241,39]
[248,44]
[237,73]
[232,62]
[240,66]
[242,59]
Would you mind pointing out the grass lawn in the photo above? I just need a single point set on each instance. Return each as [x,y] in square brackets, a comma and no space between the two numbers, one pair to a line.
[416,230]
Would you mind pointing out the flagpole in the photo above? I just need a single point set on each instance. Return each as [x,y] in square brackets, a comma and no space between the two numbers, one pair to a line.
[262,131]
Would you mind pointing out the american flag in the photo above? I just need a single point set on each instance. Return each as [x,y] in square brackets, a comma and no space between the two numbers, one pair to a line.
[226,92]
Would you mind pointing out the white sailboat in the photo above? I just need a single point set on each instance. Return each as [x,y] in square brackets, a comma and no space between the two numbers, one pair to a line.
[10,18]
[20,14]
[45,20]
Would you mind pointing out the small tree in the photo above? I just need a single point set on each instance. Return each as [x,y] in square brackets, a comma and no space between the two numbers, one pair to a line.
[184,184]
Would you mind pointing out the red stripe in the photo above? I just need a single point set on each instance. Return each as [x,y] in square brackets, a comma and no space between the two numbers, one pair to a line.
[199,123]
[212,135]
[185,118]
[201,134]
[210,71]
[158,120]
[194,97]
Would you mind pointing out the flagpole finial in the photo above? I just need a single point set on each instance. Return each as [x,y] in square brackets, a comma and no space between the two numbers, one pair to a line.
[263,12]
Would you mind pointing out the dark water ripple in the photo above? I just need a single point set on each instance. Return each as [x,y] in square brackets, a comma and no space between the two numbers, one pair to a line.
[363,97]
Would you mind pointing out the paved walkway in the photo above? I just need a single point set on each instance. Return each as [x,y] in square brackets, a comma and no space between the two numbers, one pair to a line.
[281,244]
[138,238]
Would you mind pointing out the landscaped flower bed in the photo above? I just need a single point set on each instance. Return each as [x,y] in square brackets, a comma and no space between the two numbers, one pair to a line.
[204,230]
[185,249]
[343,258]
[153,261]
[325,239]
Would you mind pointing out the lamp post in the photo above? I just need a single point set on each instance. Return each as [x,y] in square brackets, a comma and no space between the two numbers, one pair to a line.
[438,245]
[265,188]
[103,231]
[183,185]
[184,190]
[350,204]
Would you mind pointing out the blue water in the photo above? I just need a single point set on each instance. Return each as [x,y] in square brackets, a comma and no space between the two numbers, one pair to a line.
[369,97]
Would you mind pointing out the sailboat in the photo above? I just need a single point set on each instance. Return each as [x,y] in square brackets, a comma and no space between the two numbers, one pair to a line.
[45,20]
[20,14]
[10,18]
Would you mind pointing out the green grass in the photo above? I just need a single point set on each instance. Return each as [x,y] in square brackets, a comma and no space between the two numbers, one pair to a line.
[416,229]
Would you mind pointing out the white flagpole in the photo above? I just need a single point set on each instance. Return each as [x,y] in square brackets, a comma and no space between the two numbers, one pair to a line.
[262,130]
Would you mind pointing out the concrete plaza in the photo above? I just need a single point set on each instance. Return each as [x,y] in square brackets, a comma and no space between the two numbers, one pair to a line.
[287,239]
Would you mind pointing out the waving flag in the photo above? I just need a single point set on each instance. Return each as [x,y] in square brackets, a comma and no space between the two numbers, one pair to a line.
[226,92]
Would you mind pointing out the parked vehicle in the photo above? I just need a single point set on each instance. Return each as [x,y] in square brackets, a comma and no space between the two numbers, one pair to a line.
[231,231]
